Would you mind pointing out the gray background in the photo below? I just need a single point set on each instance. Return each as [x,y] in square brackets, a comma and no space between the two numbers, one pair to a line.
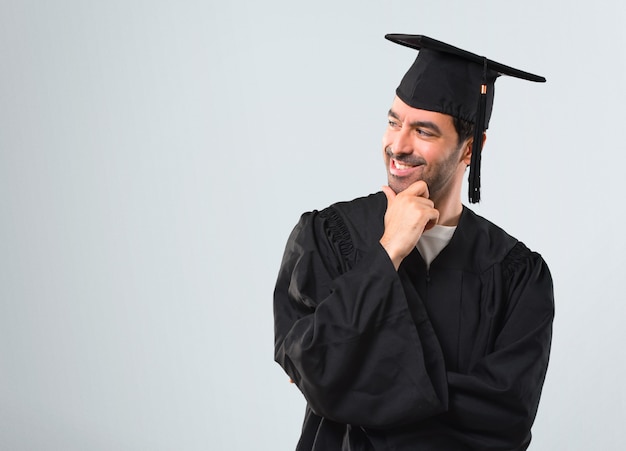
[154,156]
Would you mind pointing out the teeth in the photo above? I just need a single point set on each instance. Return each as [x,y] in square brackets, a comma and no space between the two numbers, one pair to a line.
[402,166]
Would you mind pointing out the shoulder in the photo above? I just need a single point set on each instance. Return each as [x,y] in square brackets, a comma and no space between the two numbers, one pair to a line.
[362,205]
[337,234]
[362,218]
[368,210]
[492,245]
[353,220]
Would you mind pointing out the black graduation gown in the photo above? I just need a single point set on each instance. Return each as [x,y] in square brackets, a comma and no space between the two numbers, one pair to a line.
[449,358]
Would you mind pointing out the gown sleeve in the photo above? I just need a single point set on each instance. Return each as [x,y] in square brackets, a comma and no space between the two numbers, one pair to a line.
[494,404]
[345,336]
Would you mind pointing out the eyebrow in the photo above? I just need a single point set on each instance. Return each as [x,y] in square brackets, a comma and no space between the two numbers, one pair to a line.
[418,124]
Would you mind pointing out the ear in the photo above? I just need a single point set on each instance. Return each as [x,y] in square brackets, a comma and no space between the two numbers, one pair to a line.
[467,150]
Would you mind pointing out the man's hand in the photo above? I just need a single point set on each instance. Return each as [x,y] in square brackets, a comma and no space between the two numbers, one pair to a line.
[408,215]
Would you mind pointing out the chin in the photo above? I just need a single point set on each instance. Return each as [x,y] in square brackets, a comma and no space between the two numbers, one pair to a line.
[399,185]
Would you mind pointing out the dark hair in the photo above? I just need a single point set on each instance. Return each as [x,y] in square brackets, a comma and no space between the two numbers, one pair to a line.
[464,129]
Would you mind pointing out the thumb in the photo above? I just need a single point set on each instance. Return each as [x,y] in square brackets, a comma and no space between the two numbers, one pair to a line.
[389,193]
[419,189]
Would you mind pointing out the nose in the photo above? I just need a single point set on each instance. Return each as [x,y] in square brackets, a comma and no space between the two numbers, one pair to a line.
[402,144]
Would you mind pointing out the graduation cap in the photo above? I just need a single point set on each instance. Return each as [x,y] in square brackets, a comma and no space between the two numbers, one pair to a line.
[449,80]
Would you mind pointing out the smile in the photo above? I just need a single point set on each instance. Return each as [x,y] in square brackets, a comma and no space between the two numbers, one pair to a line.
[402,169]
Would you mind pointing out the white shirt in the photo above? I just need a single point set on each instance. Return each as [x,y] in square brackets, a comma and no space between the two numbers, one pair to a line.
[433,241]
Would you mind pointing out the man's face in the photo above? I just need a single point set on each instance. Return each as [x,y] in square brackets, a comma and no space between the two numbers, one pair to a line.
[423,145]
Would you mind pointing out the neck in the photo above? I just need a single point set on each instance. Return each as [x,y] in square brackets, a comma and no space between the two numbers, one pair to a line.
[450,209]
[448,203]
[448,200]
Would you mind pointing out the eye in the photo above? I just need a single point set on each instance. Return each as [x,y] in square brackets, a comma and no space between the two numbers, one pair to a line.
[392,123]
[423,132]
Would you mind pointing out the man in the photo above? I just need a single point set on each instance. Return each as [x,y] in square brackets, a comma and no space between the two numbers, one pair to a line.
[407,321]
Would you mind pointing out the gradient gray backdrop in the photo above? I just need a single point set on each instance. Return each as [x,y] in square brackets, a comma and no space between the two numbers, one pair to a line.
[154,156]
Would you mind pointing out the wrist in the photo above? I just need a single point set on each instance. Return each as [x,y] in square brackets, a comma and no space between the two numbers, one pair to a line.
[394,254]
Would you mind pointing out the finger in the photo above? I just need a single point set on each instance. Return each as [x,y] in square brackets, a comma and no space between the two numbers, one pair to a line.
[434,219]
[391,194]
[419,189]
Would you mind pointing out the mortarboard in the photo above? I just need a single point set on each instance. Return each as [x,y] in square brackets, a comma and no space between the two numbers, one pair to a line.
[449,80]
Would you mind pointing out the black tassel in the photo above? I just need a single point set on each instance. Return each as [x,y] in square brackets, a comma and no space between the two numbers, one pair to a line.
[479,129]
